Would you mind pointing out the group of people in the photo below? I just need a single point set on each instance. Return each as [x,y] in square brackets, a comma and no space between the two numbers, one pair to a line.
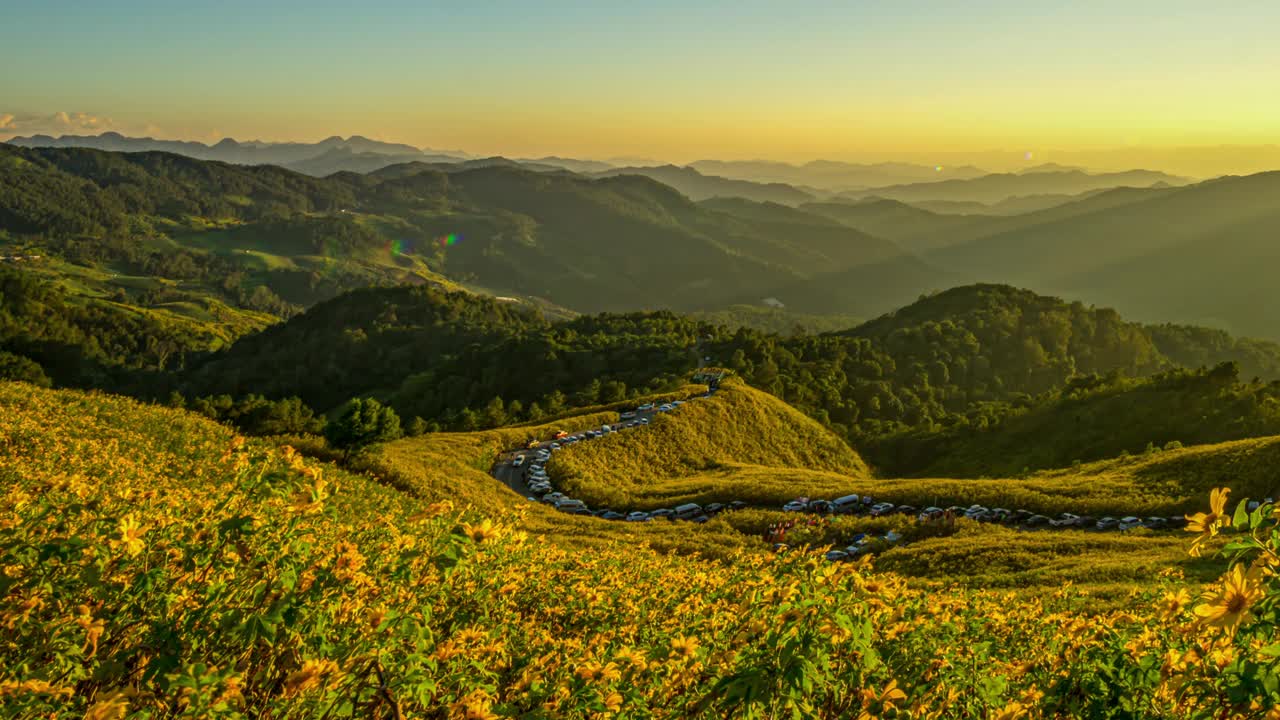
[777,532]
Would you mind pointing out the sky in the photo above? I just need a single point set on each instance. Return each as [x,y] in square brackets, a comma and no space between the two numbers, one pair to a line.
[1117,83]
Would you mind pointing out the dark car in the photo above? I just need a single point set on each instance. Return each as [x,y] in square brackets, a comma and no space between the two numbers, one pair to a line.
[1036,521]
[821,507]
[1107,523]
[714,508]
[1155,523]
[737,505]
[906,510]
[662,513]
[612,515]
[1176,522]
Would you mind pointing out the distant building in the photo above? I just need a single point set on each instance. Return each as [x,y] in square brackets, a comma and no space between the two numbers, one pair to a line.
[773,302]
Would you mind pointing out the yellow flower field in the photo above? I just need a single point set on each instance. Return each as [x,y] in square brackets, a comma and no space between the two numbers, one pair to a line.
[153,564]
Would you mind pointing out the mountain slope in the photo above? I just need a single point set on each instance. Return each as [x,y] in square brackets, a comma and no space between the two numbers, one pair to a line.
[229,150]
[737,425]
[697,186]
[1163,258]
[995,188]
[586,244]
[921,230]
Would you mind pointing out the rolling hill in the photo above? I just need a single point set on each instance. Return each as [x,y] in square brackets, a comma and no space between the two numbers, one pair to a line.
[995,188]
[1160,259]
[833,175]
[286,240]
[738,425]
[698,186]
[233,151]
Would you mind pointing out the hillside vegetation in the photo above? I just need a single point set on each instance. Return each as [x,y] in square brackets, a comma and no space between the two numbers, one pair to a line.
[1161,259]
[165,567]
[1092,419]
[736,425]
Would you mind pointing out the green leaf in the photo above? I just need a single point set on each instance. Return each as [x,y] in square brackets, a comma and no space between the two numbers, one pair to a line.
[1241,518]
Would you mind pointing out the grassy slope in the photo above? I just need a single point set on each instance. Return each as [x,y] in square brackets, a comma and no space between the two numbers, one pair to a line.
[255,591]
[737,425]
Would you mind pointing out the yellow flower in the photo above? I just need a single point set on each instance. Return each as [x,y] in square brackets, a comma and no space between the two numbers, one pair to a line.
[1012,711]
[684,646]
[886,699]
[131,534]
[1173,604]
[482,531]
[1229,605]
[1207,524]
[92,630]
[613,702]
[475,706]
[310,676]
[112,707]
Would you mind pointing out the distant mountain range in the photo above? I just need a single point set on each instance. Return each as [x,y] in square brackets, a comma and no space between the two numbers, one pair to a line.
[833,176]
[322,155]
[697,186]
[999,187]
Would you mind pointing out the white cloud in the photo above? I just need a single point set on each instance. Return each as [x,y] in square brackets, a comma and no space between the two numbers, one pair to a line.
[59,123]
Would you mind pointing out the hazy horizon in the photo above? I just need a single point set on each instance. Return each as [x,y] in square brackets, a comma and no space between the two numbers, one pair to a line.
[1173,86]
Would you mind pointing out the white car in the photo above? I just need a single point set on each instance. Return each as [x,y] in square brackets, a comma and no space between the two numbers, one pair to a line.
[518,461]
[645,407]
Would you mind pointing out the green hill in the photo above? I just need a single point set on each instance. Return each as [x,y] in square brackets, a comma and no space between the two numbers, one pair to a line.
[921,230]
[1000,186]
[736,425]
[1092,419]
[1161,259]
[265,238]
[698,186]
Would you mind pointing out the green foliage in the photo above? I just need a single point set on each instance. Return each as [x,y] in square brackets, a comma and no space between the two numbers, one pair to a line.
[1090,419]
[21,369]
[361,423]
[256,415]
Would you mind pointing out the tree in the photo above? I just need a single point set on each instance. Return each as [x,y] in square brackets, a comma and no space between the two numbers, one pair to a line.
[417,426]
[363,422]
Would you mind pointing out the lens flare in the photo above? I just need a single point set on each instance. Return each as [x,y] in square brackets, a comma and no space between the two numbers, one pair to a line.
[1030,154]
[449,240]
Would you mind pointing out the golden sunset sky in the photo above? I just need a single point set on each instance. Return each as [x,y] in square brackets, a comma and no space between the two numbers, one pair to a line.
[1110,84]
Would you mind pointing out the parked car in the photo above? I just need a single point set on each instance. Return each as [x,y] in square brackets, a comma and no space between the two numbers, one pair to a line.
[930,513]
[836,555]
[795,506]
[518,461]
[1155,523]
[1036,521]
[687,511]
[883,508]
[821,507]
[1129,523]
[638,516]
[737,505]
[628,415]
[644,421]
[1065,520]
[1107,523]
[662,513]
[645,407]
[612,515]
[1176,522]
[714,508]
[846,504]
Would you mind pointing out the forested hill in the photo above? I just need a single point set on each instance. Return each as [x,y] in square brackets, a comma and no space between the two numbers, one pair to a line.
[956,357]
[270,239]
